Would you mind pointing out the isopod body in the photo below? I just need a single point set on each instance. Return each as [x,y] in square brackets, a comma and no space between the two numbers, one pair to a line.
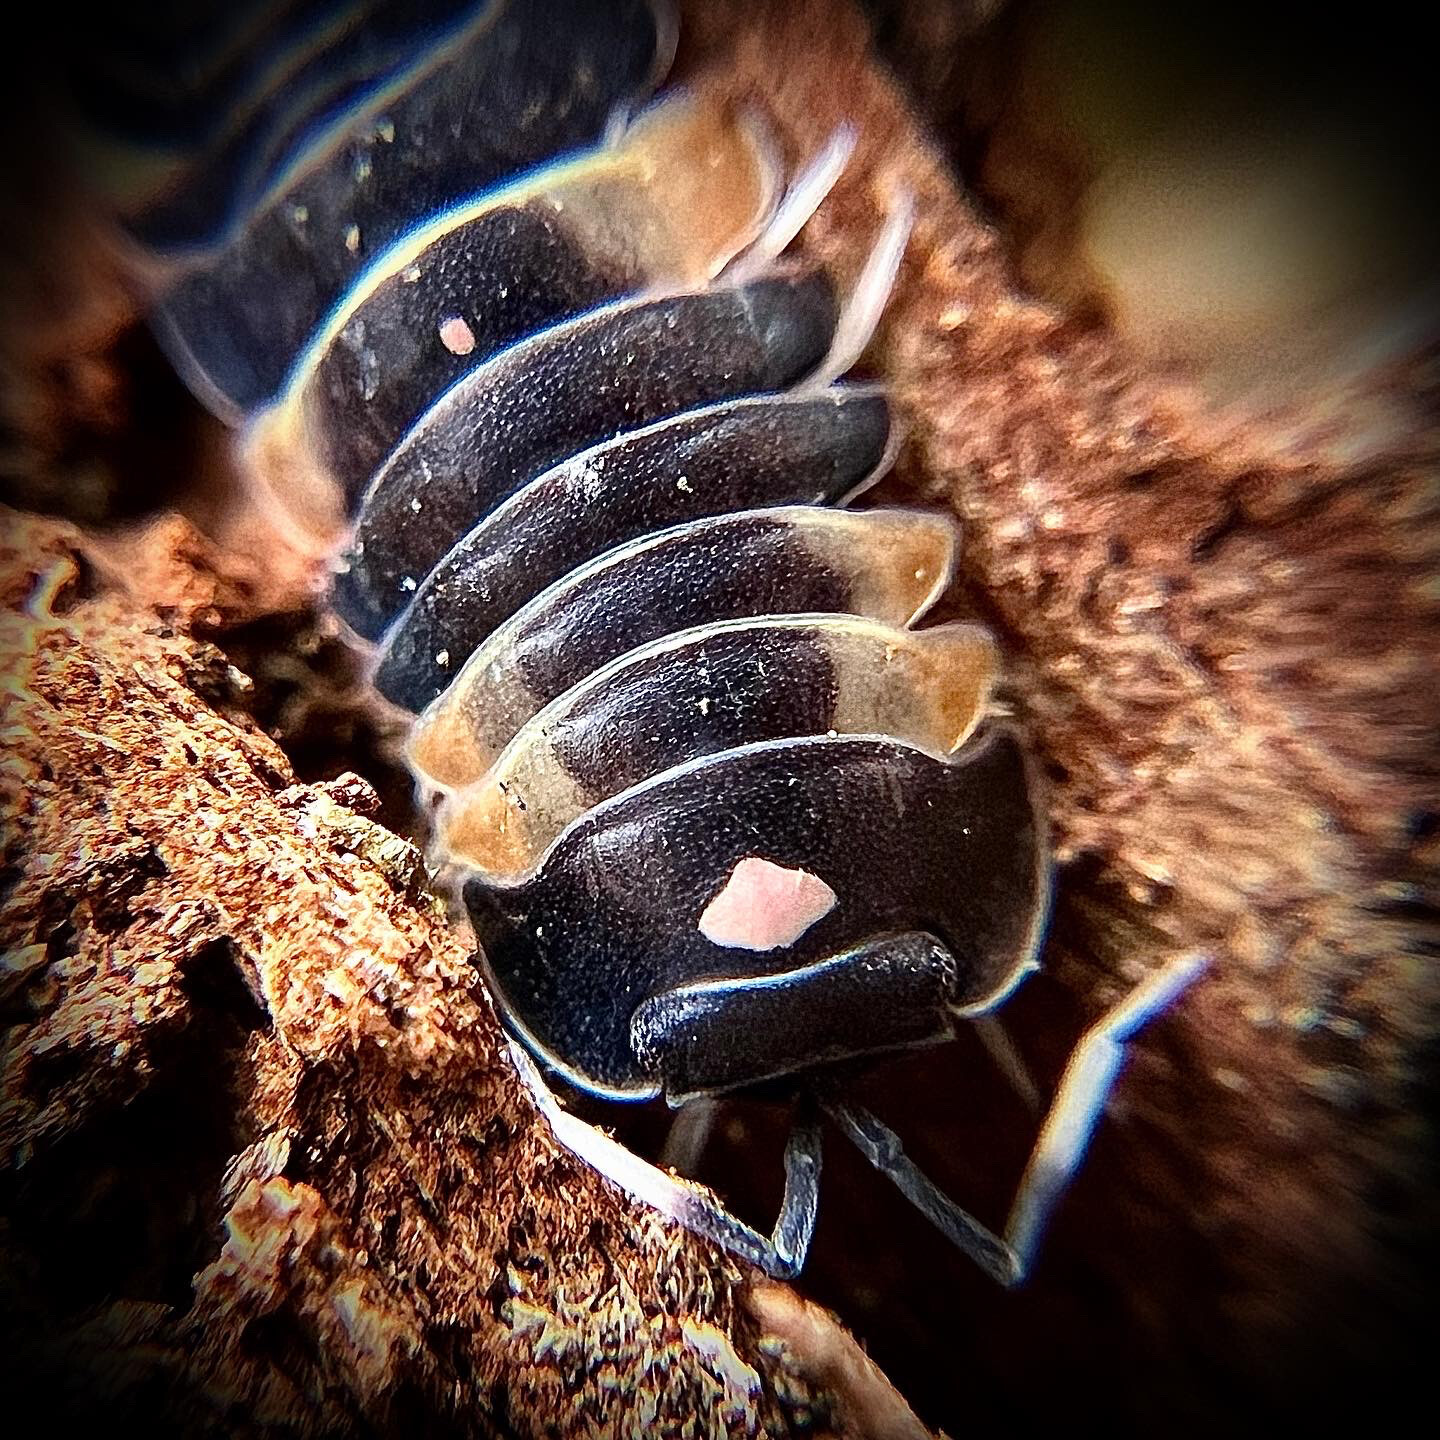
[572,441]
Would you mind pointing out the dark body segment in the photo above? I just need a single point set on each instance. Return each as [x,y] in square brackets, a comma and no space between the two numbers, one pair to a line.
[695,693]
[753,565]
[742,455]
[908,844]
[886,564]
[732,688]
[560,392]
[503,276]
[306,76]
[544,77]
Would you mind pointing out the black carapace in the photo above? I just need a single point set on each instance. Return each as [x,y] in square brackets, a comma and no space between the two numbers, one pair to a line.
[516,347]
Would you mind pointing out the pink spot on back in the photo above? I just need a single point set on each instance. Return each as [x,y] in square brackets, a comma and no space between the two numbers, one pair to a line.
[763,906]
[456,336]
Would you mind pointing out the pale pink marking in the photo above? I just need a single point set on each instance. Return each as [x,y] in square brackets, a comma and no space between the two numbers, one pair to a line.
[456,336]
[763,906]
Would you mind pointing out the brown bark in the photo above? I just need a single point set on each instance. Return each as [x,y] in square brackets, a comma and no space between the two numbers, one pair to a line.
[266,1167]
[237,1006]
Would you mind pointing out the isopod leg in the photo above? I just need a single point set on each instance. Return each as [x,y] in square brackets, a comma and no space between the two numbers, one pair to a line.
[1008,1060]
[860,315]
[882,1148]
[1080,1100]
[802,199]
[1077,1107]
[689,1134]
[796,1225]
[692,1206]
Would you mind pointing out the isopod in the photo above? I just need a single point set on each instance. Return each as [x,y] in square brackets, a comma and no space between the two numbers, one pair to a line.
[516,347]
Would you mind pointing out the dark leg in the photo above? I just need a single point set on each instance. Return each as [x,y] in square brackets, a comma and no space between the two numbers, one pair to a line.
[1008,1060]
[1078,1105]
[693,1206]
[688,1135]
[881,1147]
[783,1254]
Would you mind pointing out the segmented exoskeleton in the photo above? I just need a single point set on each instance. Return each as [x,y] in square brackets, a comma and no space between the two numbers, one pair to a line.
[523,356]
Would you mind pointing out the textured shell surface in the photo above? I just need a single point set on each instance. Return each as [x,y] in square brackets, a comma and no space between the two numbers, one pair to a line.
[505,338]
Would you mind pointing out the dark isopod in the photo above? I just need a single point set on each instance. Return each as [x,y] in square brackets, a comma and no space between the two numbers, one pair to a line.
[521,358]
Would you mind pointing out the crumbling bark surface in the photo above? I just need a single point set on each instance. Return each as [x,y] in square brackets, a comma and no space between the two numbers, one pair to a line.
[266,1167]
[237,1011]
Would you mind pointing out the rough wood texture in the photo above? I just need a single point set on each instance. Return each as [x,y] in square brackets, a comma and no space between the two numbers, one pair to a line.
[236,1005]
[265,1168]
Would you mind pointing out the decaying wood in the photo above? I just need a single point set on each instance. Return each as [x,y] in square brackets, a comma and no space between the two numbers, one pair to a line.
[266,1168]
[237,1002]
